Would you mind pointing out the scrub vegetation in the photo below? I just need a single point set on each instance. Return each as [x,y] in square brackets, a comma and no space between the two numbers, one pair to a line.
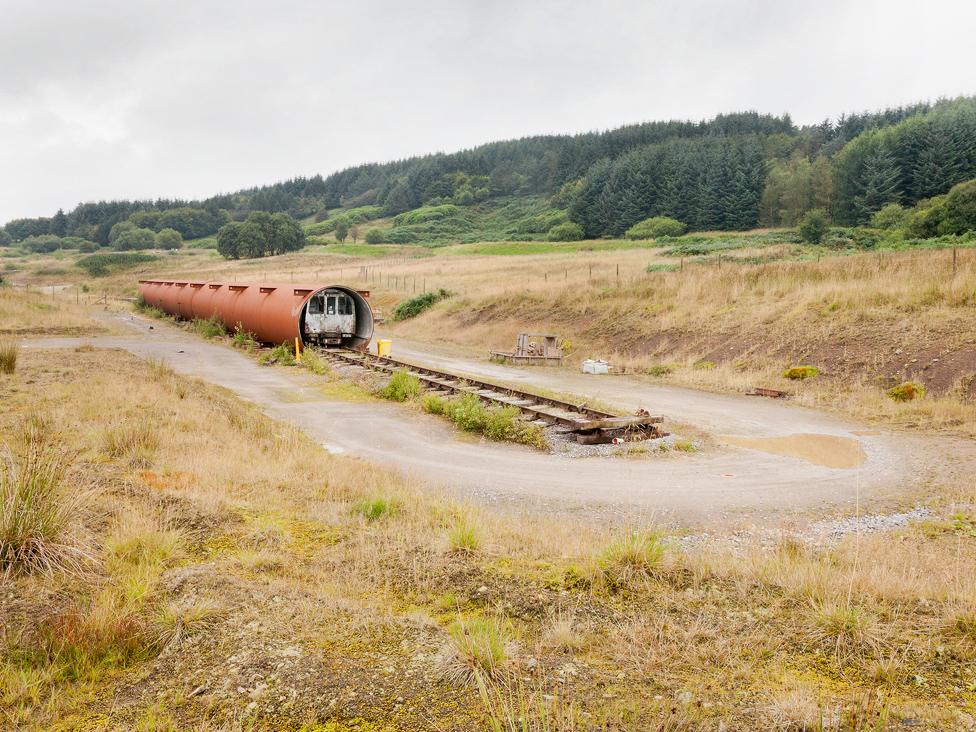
[238,575]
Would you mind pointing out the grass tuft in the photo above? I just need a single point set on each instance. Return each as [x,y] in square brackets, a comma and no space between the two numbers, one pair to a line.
[212,327]
[401,387]
[479,648]
[464,536]
[9,350]
[633,556]
[40,510]
[374,509]
[136,438]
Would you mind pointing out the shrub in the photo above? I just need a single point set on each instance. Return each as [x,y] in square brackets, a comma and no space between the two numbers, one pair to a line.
[212,327]
[401,387]
[169,239]
[134,239]
[87,247]
[416,305]
[960,208]
[890,216]
[799,373]
[373,236]
[660,369]
[906,391]
[41,244]
[567,231]
[40,513]
[813,226]
[480,647]
[8,355]
[655,227]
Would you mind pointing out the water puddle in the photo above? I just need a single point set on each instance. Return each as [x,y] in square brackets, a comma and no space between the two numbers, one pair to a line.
[830,451]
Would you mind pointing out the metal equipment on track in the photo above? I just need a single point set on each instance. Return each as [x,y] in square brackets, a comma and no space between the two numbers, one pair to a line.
[591,426]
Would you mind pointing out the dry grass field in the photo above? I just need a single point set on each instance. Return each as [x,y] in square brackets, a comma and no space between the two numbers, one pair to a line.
[173,559]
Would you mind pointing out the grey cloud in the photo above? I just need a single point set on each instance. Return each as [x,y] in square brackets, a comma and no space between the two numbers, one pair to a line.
[143,99]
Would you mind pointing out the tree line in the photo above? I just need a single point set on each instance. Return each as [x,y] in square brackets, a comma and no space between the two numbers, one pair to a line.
[731,172]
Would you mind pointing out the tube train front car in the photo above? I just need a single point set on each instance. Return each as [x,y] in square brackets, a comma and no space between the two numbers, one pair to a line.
[274,313]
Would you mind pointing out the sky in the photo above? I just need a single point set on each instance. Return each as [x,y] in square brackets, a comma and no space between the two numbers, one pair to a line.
[129,99]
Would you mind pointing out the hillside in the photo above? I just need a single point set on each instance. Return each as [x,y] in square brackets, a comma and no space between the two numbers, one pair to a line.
[732,172]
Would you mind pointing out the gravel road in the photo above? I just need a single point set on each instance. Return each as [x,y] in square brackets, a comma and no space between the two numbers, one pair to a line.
[722,484]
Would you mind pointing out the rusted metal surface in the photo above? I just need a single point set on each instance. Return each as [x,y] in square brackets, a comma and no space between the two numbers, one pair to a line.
[271,312]
[764,392]
[590,425]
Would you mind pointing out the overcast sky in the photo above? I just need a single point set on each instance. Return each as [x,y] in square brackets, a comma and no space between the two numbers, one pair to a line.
[135,99]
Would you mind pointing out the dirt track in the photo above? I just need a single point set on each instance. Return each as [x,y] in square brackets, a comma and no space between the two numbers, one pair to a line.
[723,484]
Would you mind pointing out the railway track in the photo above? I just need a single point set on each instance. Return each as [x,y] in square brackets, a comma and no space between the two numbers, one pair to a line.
[589,425]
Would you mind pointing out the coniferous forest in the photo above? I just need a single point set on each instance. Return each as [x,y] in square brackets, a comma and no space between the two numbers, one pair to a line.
[736,171]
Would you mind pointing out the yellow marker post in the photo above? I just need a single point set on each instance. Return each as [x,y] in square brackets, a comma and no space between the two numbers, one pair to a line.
[298,351]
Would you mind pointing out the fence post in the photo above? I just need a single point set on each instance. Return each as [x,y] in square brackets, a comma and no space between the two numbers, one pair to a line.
[953,261]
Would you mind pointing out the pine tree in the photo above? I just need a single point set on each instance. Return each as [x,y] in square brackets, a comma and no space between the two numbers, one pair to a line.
[880,183]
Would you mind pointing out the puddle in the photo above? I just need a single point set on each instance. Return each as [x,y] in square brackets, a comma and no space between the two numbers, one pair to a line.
[830,451]
[334,449]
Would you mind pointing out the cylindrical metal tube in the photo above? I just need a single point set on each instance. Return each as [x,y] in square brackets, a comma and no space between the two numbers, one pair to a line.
[271,312]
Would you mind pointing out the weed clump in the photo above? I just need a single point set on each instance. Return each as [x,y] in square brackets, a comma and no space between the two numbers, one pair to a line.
[401,387]
[799,373]
[40,513]
[314,362]
[496,423]
[660,369]
[211,327]
[416,305]
[9,351]
[282,355]
[243,339]
[906,391]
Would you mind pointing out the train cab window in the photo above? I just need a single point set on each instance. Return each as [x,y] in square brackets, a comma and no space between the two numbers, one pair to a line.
[315,306]
[345,305]
[330,306]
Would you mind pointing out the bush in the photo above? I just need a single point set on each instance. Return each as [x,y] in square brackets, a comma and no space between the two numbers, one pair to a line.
[568,231]
[87,247]
[43,244]
[433,404]
[890,216]
[401,387]
[169,239]
[135,239]
[243,339]
[799,373]
[928,219]
[373,236]
[906,391]
[813,226]
[960,208]
[655,227]
[416,305]
[40,513]
[8,355]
